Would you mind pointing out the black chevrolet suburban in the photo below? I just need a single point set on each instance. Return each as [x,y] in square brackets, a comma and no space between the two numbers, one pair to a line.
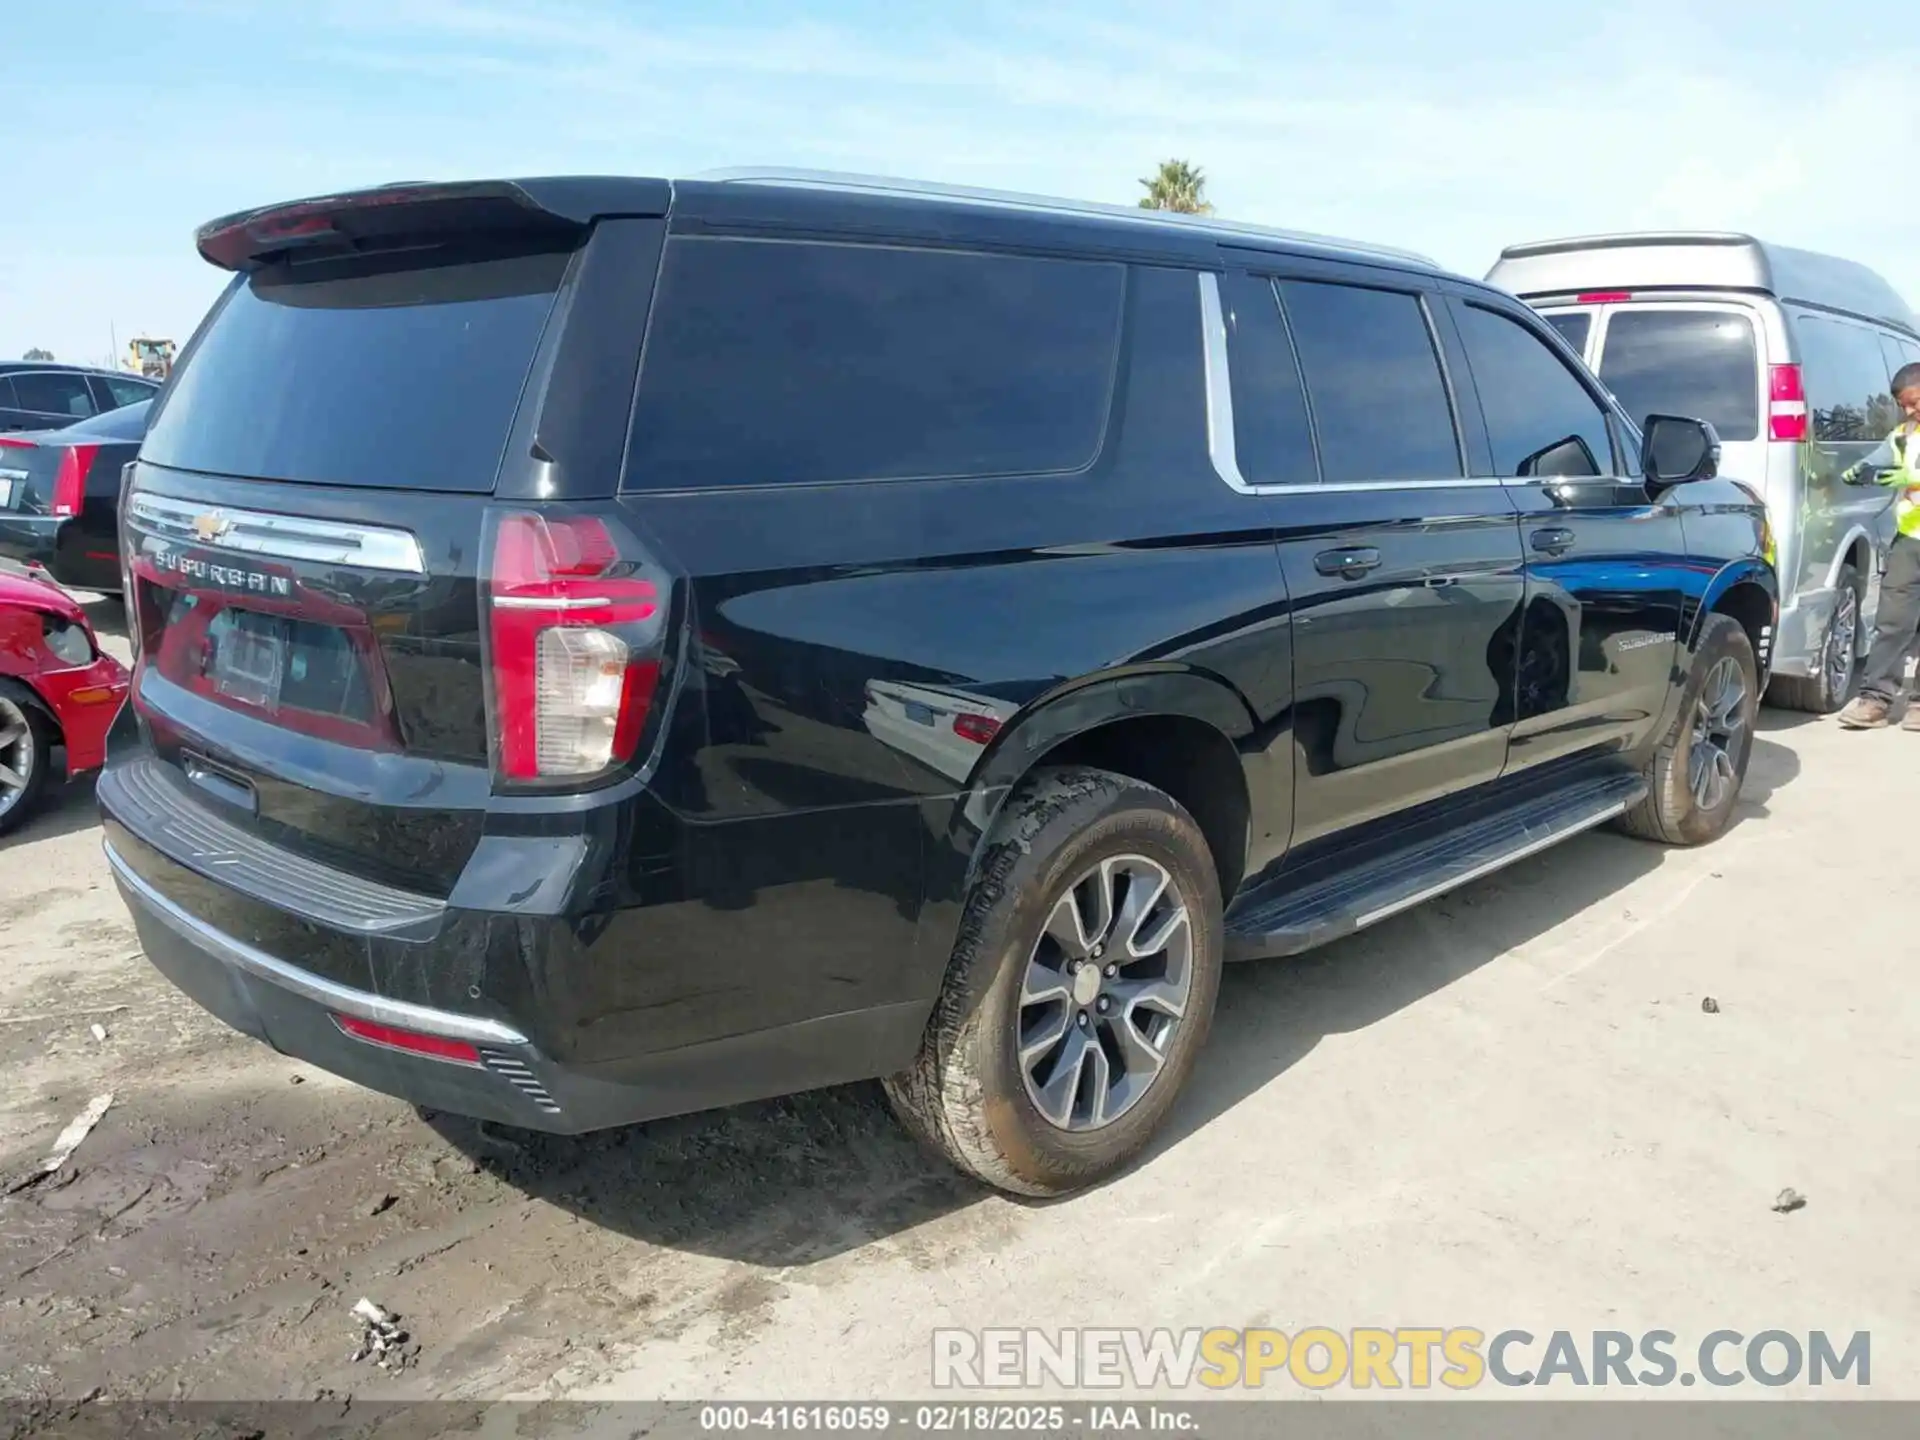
[608,648]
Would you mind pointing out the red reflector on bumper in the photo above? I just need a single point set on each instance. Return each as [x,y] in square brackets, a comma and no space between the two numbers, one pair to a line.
[434,1047]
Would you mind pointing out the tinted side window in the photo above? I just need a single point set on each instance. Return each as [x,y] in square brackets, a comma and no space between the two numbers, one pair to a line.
[1380,406]
[7,399]
[52,393]
[128,392]
[1540,419]
[1574,327]
[1703,364]
[1272,436]
[1846,378]
[782,362]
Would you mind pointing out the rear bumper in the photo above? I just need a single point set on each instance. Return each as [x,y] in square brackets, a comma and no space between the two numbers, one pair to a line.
[49,545]
[237,969]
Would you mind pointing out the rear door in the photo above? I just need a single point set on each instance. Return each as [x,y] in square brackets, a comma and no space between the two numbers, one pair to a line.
[1604,562]
[1846,372]
[307,521]
[1403,570]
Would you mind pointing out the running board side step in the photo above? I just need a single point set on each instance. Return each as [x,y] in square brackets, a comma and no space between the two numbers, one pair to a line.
[1294,913]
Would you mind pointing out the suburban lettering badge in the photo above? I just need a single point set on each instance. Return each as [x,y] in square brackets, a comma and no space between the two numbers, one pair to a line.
[226,577]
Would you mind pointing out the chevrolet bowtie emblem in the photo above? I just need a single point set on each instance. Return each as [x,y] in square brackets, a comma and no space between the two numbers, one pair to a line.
[211,525]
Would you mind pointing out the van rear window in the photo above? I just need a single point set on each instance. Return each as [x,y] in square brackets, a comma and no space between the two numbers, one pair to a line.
[344,373]
[1702,364]
[791,362]
[1573,326]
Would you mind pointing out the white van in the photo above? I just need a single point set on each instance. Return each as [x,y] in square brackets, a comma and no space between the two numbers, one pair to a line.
[1789,354]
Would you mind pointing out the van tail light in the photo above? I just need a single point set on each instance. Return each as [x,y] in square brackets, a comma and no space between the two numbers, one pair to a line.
[70,480]
[1786,403]
[575,630]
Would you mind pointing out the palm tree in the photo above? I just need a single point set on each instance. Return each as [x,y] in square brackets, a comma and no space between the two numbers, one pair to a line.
[1176,185]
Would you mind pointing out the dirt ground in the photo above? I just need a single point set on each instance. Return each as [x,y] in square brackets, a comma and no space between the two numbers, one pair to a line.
[1506,1109]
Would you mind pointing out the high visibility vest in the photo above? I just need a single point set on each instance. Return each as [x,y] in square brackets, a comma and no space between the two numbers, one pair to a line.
[1906,477]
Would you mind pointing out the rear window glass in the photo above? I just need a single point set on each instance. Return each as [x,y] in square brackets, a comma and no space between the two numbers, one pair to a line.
[128,392]
[398,378]
[1701,364]
[780,362]
[1573,326]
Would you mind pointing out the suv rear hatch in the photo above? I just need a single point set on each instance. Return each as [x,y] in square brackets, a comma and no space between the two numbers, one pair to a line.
[348,597]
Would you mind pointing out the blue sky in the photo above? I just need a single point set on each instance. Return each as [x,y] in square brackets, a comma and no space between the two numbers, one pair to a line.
[1450,128]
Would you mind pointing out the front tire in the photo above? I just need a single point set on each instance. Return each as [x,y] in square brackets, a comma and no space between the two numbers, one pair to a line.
[1695,776]
[1834,664]
[1080,991]
[26,756]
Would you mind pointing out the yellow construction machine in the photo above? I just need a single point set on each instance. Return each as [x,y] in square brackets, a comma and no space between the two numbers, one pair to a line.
[151,358]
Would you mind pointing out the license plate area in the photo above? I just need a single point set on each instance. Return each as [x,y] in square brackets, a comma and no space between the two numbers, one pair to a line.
[248,660]
[9,488]
[247,635]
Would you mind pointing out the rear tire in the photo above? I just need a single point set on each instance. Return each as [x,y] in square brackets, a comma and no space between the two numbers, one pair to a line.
[1051,1059]
[26,755]
[1695,776]
[1836,661]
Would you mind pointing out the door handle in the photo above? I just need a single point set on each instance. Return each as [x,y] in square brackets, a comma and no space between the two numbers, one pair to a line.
[1347,564]
[1553,540]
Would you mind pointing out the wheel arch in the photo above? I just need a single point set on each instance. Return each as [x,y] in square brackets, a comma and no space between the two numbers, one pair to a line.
[15,688]
[1857,549]
[1181,732]
[1747,590]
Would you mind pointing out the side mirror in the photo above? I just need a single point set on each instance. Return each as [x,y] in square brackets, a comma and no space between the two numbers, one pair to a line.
[1675,449]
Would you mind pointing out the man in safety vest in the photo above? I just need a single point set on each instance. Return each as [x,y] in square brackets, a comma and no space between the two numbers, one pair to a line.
[1896,463]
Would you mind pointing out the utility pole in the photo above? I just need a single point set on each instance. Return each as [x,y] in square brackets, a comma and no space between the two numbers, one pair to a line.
[113,346]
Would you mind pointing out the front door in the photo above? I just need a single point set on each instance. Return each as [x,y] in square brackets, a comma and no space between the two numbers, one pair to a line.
[1605,589]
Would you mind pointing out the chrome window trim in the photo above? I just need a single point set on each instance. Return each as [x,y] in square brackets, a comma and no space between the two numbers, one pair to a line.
[286,537]
[1221,445]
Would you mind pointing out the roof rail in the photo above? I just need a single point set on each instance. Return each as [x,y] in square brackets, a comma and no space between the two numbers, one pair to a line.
[1046,204]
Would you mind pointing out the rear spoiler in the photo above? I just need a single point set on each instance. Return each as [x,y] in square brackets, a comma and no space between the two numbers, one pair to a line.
[1630,241]
[412,212]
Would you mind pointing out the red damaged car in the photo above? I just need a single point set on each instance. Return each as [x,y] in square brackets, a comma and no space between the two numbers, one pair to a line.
[57,688]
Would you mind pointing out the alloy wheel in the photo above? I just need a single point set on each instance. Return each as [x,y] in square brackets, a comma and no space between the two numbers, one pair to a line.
[1104,994]
[1841,634]
[1719,730]
[17,757]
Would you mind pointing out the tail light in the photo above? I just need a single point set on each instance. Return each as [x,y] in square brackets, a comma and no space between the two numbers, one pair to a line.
[70,480]
[574,628]
[1786,403]
[1603,297]
[976,729]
